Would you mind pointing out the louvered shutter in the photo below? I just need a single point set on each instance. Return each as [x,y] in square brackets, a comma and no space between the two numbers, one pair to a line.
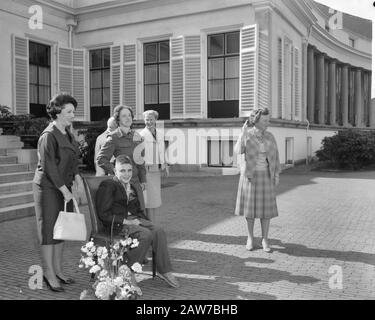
[287,81]
[20,75]
[79,83]
[297,85]
[192,76]
[116,78]
[263,71]
[65,70]
[71,77]
[248,69]
[177,77]
[130,78]
[280,73]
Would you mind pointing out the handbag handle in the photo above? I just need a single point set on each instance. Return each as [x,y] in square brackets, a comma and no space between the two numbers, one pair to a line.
[75,205]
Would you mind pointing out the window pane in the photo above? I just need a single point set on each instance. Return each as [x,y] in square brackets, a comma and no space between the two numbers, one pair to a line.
[215,90]
[151,94]
[33,74]
[164,93]
[164,73]
[33,93]
[151,74]
[150,52]
[95,58]
[216,45]
[216,68]
[232,67]
[43,94]
[44,76]
[106,97]
[106,57]
[164,51]
[96,97]
[106,79]
[33,54]
[43,55]
[232,89]
[96,79]
[233,42]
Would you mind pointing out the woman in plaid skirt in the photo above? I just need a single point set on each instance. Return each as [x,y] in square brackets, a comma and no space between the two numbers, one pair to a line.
[256,197]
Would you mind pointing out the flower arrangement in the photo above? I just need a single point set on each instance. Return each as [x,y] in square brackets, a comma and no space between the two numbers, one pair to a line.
[114,280]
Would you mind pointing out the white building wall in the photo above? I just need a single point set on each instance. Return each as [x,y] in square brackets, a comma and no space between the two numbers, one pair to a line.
[18,23]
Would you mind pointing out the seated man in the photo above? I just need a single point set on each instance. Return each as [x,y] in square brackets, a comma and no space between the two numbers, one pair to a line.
[117,201]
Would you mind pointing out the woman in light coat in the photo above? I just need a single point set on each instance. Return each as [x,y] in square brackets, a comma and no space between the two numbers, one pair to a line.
[256,197]
[154,157]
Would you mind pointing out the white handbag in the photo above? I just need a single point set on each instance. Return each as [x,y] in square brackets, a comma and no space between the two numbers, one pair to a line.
[70,225]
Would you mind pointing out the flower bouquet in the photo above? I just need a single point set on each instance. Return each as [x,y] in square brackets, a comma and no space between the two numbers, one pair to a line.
[114,280]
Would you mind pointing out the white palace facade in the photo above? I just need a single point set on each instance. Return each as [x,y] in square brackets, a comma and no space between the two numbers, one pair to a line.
[202,64]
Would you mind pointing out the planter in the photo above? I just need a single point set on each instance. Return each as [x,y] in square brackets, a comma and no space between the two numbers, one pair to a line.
[30,141]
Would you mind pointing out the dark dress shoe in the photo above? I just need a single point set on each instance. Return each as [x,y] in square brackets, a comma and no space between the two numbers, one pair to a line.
[52,288]
[67,281]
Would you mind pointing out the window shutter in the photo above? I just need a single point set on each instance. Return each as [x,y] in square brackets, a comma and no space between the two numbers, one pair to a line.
[71,76]
[248,67]
[130,77]
[116,76]
[20,75]
[79,83]
[65,69]
[280,78]
[287,79]
[177,77]
[297,92]
[263,71]
[192,77]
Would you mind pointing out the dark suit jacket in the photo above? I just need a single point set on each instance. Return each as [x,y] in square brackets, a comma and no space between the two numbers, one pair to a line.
[112,203]
[57,158]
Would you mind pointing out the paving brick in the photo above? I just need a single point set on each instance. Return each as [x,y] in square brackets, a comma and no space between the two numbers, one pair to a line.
[324,219]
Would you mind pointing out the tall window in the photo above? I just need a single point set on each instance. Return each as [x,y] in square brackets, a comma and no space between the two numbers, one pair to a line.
[156,78]
[338,94]
[100,84]
[223,75]
[351,107]
[39,78]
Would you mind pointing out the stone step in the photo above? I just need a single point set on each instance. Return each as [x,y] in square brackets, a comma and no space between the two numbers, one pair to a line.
[9,168]
[13,199]
[14,187]
[3,152]
[17,212]
[16,177]
[12,145]
[9,139]
[8,160]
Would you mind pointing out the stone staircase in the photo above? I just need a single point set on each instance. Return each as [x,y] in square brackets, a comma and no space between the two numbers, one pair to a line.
[17,167]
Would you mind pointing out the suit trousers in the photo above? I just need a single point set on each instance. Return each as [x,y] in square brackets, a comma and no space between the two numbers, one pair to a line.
[147,235]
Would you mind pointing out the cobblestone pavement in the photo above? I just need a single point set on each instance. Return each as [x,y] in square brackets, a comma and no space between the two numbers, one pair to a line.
[326,224]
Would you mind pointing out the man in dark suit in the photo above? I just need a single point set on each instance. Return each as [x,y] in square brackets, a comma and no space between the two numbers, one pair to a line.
[117,204]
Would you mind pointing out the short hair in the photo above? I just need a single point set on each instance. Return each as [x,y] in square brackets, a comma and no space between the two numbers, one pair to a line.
[110,122]
[117,111]
[124,159]
[58,102]
[255,115]
[153,112]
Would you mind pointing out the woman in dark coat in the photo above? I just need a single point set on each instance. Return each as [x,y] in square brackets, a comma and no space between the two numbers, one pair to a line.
[57,168]
[125,140]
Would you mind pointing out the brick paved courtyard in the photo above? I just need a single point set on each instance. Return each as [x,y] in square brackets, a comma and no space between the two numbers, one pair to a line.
[326,219]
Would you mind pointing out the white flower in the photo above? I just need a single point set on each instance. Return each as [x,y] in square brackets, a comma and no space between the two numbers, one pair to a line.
[104,290]
[101,262]
[89,245]
[103,273]
[95,269]
[88,262]
[124,271]
[136,267]
[114,263]
[134,245]
[93,249]
[118,281]
[116,246]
